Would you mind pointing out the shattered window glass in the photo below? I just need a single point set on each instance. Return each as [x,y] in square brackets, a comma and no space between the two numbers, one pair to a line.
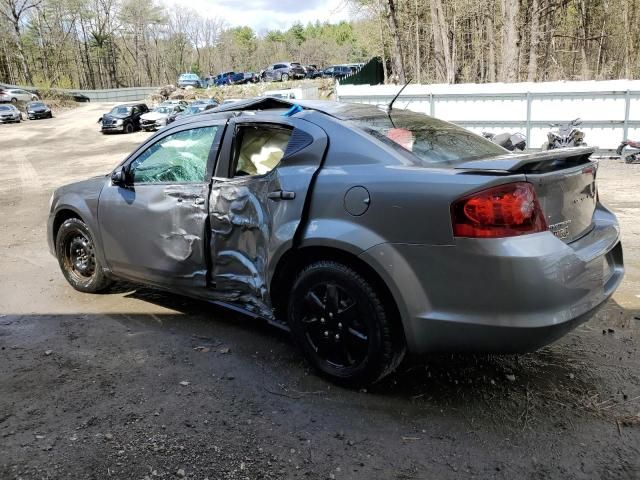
[261,149]
[178,158]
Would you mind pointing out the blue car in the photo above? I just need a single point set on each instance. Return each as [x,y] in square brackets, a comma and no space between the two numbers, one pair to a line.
[228,78]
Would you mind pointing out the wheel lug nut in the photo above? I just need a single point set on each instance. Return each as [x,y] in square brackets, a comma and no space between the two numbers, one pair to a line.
[330,315]
[337,337]
[326,334]
[322,320]
[340,325]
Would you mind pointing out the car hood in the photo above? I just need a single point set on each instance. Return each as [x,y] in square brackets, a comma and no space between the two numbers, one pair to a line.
[89,188]
[113,117]
[154,116]
[38,109]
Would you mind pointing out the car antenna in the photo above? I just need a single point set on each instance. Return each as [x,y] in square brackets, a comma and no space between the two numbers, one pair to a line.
[390,106]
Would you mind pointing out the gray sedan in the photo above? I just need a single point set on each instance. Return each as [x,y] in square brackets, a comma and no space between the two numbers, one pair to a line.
[365,233]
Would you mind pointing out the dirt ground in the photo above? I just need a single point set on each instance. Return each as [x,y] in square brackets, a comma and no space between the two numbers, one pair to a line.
[139,384]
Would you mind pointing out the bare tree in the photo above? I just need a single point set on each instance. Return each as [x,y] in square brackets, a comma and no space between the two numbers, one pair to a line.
[13,11]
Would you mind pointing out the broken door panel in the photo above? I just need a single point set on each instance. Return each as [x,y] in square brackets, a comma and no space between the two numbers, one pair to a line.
[254,220]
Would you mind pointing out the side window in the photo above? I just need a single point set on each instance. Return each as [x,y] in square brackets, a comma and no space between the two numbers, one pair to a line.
[259,149]
[178,158]
[135,111]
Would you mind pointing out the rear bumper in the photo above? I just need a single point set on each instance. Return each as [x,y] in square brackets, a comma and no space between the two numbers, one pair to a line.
[500,295]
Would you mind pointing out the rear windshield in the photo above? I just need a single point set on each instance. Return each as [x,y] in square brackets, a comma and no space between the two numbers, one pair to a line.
[427,141]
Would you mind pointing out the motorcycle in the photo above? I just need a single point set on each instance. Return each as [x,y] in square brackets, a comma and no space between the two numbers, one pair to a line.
[511,142]
[567,135]
[629,151]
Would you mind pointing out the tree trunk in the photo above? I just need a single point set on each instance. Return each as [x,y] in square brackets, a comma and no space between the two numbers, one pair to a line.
[534,40]
[509,63]
[397,59]
[491,54]
[441,46]
[382,54]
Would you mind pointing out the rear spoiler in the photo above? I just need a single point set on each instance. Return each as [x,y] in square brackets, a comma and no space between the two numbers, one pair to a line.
[518,162]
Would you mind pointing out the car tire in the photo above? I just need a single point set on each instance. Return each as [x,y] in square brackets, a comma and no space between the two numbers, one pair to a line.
[14,100]
[128,128]
[284,77]
[343,326]
[75,250]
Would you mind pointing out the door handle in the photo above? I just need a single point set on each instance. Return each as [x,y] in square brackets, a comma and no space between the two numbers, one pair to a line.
[281,195]
[198,201]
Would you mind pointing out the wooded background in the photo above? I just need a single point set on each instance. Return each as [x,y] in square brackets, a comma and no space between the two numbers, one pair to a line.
[116,43]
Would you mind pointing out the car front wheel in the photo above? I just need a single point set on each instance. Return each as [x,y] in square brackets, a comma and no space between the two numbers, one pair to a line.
[284,77]
[75,250]
[128,128]
[343,326]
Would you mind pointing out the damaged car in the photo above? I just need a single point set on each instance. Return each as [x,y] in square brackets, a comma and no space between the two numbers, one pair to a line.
[365,232]
[160,116]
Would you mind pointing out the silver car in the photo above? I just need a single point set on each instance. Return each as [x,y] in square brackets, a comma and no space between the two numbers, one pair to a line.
[17,94]
[10,114]
[366,233]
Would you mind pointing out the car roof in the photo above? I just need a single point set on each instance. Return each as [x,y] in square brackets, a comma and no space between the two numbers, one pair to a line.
[269,105]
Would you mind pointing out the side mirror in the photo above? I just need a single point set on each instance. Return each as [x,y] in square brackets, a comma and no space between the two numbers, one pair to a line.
[120,177]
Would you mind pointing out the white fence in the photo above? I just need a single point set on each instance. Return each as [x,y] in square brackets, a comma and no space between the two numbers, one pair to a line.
[610,110]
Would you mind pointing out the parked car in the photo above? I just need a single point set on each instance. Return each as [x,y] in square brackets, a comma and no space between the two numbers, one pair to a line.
[248,77]
[80,97]
[364,232]
[283,71]
[17,94]
[182,103]
[228,78]
[205,101]
[337,71]
[123,118]
[312,71]
[37,110]
[160,116]
[194,109]
[190,80]
[10,114]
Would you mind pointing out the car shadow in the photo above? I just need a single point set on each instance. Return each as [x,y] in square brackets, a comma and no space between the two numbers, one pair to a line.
[564,376]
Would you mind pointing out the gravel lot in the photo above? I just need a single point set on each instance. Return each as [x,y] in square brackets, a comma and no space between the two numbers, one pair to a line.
[141,384]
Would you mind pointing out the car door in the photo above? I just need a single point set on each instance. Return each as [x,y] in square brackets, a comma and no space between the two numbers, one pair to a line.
[257,202]
[153,229]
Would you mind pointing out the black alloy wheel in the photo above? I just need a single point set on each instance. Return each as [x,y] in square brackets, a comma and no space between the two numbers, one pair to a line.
[342,324]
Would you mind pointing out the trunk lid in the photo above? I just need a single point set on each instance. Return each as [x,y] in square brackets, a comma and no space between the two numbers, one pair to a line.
[564,180]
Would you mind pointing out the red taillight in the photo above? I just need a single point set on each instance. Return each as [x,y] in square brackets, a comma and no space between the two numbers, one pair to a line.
[503,211]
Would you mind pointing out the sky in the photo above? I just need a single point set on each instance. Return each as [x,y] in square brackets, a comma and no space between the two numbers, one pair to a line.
[263,15]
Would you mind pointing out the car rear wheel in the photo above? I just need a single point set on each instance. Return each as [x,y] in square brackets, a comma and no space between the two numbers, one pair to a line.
[128,128]
[284,77]
[342,325]
[75,250]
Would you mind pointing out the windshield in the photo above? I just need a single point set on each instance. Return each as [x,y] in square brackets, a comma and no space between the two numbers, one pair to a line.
[194,109]
[427,141]
[163,109]
[4,108]
[36,104]
[190,76]
[120,111]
